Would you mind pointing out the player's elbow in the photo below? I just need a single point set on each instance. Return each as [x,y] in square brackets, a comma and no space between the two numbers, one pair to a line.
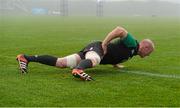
[121,31]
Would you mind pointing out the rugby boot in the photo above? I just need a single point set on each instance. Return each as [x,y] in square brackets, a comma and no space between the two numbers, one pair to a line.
[23,63]
[79,73]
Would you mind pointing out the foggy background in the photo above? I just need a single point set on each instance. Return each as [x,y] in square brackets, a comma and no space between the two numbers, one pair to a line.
[91,7]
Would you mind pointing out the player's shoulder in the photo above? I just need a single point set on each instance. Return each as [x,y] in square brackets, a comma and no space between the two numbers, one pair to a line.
[129,40]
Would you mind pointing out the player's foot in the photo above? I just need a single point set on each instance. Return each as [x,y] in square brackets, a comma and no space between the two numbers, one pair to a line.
[23,63]
[78,73]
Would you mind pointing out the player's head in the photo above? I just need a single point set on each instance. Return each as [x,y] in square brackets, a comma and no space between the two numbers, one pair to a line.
[146,47]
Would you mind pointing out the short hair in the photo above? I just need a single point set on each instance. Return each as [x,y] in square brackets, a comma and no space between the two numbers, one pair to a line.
[150,42]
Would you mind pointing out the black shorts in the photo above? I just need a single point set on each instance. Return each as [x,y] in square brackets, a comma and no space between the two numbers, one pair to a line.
[95,46]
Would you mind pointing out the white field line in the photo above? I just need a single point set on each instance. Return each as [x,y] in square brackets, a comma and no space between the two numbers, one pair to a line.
[152,74]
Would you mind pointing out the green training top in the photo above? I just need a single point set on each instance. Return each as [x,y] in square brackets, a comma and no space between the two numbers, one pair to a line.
[121,50]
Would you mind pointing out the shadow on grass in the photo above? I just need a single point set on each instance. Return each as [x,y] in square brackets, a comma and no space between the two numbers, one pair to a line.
[106,70]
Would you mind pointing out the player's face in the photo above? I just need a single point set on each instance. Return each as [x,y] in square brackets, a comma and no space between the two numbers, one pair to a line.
[144,49]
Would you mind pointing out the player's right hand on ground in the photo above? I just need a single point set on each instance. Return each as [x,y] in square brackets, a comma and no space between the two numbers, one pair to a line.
[119,66]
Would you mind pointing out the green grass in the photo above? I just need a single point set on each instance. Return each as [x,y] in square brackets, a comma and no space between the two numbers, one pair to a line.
[49,86]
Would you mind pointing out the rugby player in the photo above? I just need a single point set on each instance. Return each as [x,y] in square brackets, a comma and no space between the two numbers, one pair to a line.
[106,52]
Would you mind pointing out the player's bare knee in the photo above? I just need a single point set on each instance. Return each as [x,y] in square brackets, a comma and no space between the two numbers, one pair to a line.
[94,62]
[61,63]
[68,61]
[94,57]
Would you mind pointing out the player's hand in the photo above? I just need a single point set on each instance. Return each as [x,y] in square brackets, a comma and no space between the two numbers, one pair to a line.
[104,48]
[119,66]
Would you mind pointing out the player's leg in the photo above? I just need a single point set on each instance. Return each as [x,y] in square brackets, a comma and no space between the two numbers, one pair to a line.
[91,60]
[69,61]
[24,60]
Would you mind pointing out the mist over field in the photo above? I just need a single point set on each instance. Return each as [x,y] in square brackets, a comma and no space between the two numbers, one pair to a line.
[89,7]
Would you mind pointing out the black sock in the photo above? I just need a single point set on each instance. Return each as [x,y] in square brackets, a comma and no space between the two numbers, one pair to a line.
[86,63]
[43,59]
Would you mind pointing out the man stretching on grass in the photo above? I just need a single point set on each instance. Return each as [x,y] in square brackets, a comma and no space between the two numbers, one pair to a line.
[105,52]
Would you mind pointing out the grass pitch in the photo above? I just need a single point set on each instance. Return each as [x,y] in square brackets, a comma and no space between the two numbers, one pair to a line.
[141,83]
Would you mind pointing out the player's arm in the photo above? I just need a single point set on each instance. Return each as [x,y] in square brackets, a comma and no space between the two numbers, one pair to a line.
[118,32]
